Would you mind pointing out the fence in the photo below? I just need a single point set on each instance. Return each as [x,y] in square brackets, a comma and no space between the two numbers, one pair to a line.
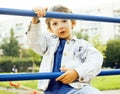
[35,76]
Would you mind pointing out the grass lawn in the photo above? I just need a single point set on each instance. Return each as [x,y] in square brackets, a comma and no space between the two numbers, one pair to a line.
[106,82]
[5,92]
[30,84]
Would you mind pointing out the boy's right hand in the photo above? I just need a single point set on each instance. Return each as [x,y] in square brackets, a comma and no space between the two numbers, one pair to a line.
[40,13]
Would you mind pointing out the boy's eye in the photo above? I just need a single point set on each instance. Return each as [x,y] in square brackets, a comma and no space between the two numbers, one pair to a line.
[54,24]
[64,21]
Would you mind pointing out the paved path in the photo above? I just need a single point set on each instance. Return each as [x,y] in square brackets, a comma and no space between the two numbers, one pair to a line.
[111,92]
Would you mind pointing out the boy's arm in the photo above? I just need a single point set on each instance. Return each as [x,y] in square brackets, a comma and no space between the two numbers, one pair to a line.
[35,37]
[35,20]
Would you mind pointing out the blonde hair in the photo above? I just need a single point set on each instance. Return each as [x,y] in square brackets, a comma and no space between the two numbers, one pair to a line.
[58,8]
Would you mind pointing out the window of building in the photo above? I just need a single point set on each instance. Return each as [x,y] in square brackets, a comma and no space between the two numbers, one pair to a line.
[19,26]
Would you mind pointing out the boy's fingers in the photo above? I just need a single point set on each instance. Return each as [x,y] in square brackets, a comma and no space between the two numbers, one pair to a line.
[60,77]
[46,8]
[63,69]
[40,11]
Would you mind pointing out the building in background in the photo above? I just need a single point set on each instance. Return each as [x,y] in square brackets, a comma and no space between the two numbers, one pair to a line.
[105,30]
[19,25]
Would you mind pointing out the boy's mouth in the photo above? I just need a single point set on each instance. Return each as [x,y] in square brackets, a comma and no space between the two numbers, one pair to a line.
[62,32]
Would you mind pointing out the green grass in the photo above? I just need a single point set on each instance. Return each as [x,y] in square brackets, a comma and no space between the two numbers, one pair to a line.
[6,92]
[26,84]
[31,84]
[106,82]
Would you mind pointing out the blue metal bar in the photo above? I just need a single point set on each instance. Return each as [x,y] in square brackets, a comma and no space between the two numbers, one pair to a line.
[28,76]
[51,75]
[110,72]
[22,12]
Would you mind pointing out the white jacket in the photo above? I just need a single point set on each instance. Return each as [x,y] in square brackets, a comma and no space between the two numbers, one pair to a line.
[77,54]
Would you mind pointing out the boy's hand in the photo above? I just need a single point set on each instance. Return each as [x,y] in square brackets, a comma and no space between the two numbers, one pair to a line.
[40,12]
[69,76]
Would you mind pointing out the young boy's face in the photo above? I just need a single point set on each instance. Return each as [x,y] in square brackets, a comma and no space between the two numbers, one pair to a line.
[62,28]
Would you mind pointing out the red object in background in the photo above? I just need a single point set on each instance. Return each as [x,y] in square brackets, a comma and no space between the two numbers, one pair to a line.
[34,92]
[16,85]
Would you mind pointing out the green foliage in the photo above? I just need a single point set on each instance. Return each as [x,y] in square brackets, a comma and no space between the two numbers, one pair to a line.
[10,45]
[29,53]
[80,35]
[112,53]
[95,40]
[6,64]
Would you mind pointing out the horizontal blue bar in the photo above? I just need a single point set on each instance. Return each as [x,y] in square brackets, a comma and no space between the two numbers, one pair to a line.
[22,12]
[110,72]
[51,75]
[29,76]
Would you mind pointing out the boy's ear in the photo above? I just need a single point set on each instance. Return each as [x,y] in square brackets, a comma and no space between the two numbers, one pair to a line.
[73,23]
[50,30]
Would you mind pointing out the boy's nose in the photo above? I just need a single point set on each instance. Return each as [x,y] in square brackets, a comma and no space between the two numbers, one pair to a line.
[61,30]
[61,26]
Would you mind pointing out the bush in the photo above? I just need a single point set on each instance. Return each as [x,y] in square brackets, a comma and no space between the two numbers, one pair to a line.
[6,63]
[112,53]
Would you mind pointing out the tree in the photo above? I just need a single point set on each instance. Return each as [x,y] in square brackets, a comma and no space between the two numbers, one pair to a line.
[95,40]
[112,53]
[81,36]
[10,45]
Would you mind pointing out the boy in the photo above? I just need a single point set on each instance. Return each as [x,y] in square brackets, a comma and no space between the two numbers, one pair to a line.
[62,51]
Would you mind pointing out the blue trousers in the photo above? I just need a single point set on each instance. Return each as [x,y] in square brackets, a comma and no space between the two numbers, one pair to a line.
[85,90]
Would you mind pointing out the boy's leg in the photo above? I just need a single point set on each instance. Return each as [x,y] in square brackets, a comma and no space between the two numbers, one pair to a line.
[85,90]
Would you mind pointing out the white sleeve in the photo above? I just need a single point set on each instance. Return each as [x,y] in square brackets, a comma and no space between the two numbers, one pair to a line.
[92,64]
[36,39]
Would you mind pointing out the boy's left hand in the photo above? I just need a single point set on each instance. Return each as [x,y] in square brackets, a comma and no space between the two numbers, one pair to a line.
[69,76]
